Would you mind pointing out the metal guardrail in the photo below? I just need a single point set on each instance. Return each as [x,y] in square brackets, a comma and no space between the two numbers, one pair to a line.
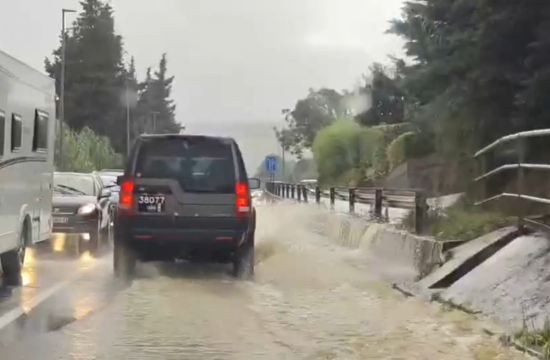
[520,166]
[377,198]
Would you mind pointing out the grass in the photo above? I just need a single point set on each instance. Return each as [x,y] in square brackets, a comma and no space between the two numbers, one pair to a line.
[461,221]
[536,339]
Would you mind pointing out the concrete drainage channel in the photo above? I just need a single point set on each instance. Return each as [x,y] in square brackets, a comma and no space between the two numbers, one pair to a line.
[504,274]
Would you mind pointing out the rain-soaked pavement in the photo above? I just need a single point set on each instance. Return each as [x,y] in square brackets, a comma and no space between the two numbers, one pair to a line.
[310,300]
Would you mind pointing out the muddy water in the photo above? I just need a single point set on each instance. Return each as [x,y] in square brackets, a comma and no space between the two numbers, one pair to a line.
[310,300]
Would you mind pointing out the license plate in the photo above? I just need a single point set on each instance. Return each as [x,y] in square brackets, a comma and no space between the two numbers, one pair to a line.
[151,203]
[60,220]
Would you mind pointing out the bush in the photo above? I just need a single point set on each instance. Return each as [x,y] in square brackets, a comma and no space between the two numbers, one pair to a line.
[399,148]
[343,151]
[388,133]
[85,151]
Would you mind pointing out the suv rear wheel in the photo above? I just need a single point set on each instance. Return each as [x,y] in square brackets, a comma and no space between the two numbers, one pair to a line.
[124,261]
[243,264]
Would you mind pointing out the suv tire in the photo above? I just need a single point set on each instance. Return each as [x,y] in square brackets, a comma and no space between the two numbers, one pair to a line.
[243,264]
[124,261]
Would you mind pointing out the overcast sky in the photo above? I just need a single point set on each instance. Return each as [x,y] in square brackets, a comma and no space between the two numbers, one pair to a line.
[234,60]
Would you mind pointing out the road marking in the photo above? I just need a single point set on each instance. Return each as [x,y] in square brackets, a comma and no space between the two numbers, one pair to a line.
[21,310]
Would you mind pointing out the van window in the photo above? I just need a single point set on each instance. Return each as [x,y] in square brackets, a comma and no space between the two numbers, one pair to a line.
[40,136]
[2,131]
[199,164]
[16,132]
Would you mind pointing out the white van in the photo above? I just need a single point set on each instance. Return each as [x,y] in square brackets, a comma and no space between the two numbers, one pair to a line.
[27,135]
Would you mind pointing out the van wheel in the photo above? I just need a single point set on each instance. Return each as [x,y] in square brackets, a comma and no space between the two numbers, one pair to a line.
[12,263]
[243,264]
[124,261]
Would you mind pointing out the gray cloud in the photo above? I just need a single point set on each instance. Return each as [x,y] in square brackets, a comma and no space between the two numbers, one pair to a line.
[234,61]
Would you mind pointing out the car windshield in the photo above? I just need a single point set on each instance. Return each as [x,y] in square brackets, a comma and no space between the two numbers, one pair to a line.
[198,164]
[71,184]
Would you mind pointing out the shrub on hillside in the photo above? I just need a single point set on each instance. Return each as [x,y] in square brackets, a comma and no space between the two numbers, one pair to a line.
[398,150]
[343,151]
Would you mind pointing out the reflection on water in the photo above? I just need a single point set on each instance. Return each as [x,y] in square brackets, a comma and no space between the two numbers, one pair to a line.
[28,273]
[28,276]
[86,257]
[29,256]
[58,242]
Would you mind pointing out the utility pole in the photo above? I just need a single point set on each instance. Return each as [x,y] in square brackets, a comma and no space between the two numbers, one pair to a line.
[283,160]
[287,113]
[62,85]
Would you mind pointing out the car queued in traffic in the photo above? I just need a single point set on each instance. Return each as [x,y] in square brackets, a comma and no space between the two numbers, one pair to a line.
[83,208]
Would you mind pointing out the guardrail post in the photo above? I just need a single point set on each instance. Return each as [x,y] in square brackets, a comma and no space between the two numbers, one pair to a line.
[299,193]
[332,193]
[304,193]
[284,190]
[352,201]
[482,185]
[420,212]
[521,181]
[292,190]
[378,203]
[317,194]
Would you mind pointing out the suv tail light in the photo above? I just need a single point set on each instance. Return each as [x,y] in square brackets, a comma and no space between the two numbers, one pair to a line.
[242,199]
[126,198]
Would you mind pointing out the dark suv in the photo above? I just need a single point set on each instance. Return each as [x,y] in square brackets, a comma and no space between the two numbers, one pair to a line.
[185,197]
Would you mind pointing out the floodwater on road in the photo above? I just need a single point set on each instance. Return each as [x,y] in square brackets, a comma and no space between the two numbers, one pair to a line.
[310,300]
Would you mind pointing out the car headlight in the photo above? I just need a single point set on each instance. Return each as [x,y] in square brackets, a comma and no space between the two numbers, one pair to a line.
[87,209]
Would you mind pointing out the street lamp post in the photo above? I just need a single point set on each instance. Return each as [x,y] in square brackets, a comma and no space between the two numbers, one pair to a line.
[154,113]
[62,81]
[127,119]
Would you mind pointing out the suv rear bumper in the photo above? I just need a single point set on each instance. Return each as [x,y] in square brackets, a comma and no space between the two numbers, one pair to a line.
[156,244]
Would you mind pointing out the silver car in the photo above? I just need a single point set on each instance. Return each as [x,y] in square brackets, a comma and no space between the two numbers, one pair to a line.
[110,182]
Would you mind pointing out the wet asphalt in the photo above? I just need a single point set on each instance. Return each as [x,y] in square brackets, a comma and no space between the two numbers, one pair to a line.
[310,299]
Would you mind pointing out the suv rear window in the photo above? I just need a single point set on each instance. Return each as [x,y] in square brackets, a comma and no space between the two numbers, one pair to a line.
[198,164]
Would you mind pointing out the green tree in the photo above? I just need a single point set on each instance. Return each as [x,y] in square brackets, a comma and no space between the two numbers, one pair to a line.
[385,96]
[157,109]
[479,69]
[95,80]
[308,116]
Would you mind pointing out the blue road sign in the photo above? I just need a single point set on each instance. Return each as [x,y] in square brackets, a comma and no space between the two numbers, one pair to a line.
[271,164]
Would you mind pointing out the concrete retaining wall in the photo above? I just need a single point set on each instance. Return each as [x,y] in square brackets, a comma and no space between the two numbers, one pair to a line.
[383,241]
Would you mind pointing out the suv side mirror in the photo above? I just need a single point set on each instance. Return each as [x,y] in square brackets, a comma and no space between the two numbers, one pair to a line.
[104,194]
[254,184]
[119,179]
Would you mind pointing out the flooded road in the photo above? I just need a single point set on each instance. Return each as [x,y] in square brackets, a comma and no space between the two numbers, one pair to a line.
[310,300]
